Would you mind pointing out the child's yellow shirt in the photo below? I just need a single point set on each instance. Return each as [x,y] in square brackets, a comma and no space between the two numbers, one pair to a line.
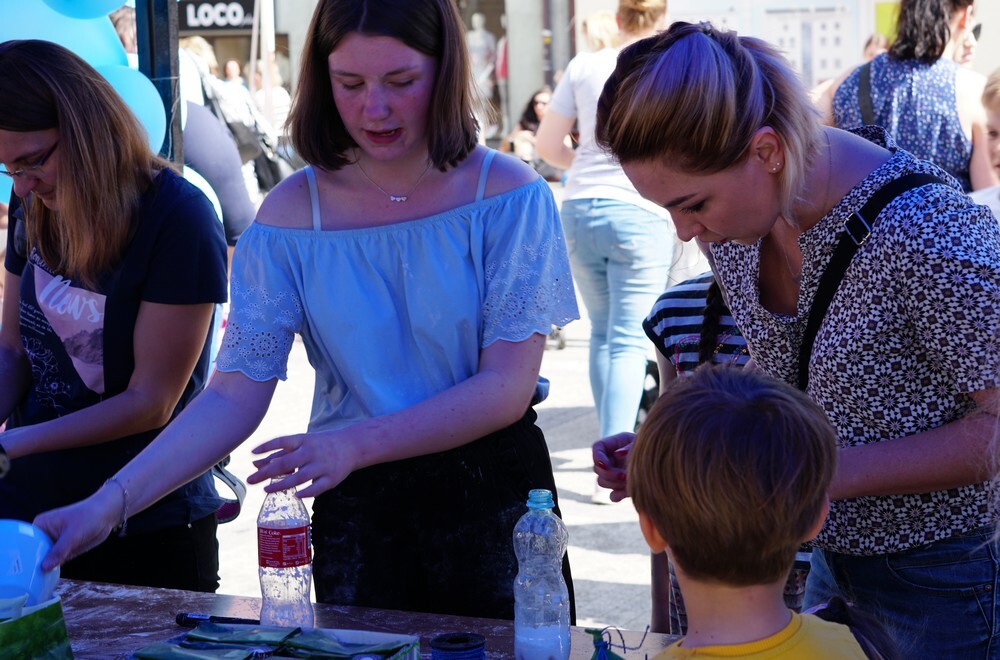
[806,636]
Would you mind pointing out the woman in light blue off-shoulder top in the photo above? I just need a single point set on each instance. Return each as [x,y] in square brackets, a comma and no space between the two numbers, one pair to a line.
[423,273]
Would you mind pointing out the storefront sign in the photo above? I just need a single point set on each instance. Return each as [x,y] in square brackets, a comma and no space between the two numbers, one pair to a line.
[200,15]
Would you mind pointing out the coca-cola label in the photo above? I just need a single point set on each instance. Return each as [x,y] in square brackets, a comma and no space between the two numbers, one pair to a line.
[283,548]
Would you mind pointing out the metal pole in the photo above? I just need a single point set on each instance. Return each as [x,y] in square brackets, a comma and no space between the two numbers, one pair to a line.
[156,34]
[267,55]
[254,41]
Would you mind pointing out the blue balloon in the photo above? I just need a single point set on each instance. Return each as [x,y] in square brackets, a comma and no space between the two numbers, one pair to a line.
[93,39]
[141,96]
[84,8]
[6,188]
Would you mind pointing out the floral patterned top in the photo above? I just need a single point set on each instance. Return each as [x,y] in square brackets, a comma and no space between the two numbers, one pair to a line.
[913,329]
[915,102]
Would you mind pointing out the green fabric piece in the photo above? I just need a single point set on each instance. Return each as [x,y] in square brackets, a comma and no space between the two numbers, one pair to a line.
[316,643]
[235,633]
[41,635]
[172,651]
[213,641]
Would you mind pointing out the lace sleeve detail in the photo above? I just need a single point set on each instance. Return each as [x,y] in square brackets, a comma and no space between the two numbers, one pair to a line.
[266,313]
[529,287]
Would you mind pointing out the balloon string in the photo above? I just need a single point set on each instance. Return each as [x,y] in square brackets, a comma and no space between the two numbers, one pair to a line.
[612,629]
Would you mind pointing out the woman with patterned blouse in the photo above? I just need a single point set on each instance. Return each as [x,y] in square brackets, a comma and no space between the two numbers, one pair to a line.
[922,96]
[718,129]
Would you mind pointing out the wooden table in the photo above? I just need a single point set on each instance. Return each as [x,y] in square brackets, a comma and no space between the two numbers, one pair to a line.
[113,621]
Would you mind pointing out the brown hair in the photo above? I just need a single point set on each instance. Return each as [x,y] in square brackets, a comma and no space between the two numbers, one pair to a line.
[432,27]
[123,19]
[708,337]
[694,97]
[104,158]
[732,467]
[923,28]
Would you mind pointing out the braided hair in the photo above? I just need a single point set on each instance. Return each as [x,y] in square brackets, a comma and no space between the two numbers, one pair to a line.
[715,307]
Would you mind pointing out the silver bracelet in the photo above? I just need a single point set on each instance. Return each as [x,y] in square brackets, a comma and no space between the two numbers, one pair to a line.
[124,521]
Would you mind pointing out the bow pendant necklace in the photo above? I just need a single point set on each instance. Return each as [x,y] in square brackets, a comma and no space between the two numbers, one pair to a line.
[393,198]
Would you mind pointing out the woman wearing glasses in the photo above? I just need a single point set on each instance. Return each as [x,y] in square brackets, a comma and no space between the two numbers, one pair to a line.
[114,265]
[921,95]
[521,140]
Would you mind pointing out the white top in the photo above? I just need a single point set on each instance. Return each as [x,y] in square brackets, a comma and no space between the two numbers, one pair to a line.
[988,197]
[593,175]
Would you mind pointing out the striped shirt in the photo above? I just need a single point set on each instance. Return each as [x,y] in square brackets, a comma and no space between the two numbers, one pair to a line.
[674,327]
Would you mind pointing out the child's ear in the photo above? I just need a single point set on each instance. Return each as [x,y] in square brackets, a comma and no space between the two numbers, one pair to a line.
[650,533]
[820,520]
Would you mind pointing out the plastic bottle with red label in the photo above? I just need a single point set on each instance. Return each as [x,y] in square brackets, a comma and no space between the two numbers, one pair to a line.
[284,556]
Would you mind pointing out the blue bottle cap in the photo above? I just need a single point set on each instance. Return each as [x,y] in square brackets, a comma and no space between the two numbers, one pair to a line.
[540,498]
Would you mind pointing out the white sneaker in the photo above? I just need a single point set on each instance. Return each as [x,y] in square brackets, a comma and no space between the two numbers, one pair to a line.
[601,495]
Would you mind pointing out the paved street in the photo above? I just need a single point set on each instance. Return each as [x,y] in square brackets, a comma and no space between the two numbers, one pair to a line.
[608,556]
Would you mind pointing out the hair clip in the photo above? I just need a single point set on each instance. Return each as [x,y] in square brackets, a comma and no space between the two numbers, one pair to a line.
[706,28]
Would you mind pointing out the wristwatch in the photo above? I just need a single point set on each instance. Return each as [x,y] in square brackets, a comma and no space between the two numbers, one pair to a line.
[4,462]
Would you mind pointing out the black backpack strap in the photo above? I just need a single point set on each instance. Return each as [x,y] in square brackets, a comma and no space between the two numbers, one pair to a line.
[865,94]
[857,228]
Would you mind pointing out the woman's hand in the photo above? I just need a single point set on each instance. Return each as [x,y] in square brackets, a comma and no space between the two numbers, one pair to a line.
[610,455]
[325,458]
[82,526]
[494,398]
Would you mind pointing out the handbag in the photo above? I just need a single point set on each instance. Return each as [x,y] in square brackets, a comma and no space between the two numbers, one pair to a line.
[857,229]
[230,507]
[270,167]
[247,140]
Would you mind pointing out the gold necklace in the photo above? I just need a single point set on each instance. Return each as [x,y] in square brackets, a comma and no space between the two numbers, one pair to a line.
[394,198]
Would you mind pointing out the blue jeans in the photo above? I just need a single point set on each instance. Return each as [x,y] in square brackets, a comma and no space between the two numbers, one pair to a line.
[937,601]
[620,254]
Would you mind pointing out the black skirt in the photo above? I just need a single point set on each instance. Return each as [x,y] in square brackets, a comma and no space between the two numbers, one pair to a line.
[433,533]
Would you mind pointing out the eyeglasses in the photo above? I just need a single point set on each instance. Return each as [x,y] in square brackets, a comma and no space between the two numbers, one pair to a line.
[977,30]
[32,170]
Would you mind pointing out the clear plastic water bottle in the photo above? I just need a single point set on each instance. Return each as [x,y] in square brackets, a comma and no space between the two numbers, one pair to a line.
[285,561]
[541,599]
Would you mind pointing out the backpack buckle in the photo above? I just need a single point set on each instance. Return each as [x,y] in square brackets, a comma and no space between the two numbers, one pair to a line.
[857,228]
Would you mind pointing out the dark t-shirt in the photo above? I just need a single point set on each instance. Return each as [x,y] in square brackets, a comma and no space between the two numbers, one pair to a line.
[80,346]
